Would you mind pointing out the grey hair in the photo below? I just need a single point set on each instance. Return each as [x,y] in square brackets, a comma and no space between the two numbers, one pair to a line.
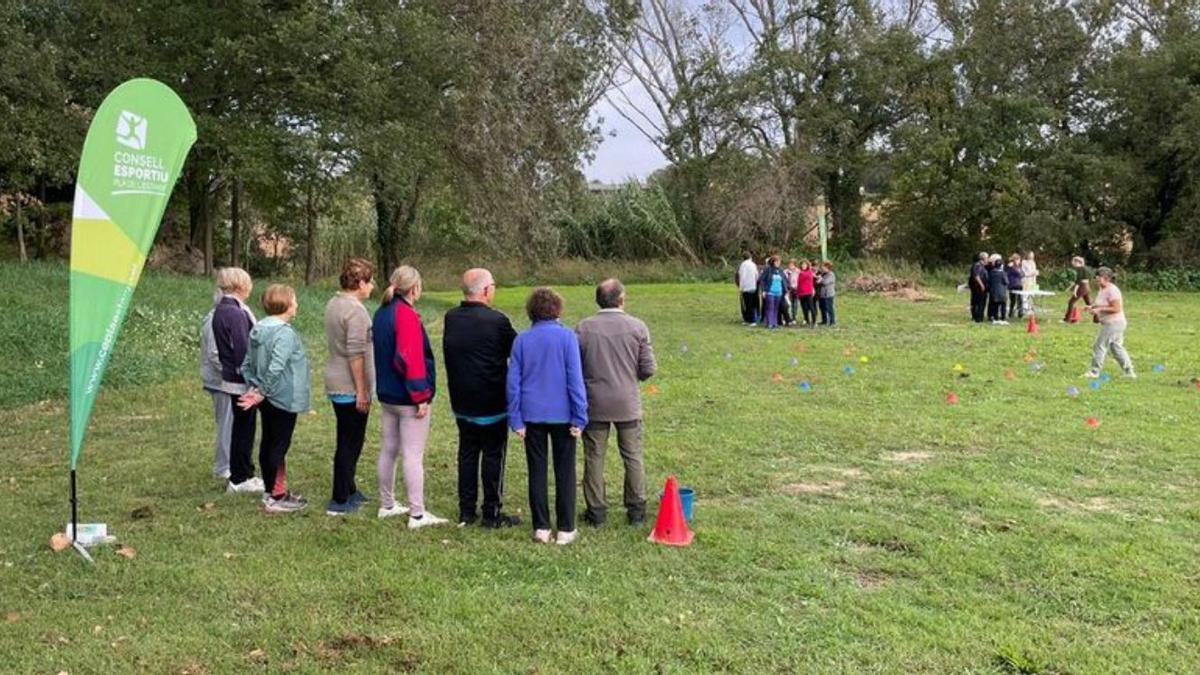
[1105,272]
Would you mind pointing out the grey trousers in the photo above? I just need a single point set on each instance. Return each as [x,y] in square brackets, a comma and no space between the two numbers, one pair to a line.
[595,445]
[1111,338]
[223,412]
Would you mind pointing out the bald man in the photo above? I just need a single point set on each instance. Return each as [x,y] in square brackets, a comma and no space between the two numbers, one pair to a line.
[616,356]
[475,345]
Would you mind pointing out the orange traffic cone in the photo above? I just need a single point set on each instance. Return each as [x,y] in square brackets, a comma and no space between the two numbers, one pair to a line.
[1074,316]
[670,528]
[1032,326]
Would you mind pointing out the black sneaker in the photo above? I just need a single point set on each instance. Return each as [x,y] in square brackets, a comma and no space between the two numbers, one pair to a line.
[465,521]
[636,519]
[593,519]
[501,521]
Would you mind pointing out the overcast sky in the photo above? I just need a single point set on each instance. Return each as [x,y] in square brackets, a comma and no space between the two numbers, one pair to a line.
[624,152]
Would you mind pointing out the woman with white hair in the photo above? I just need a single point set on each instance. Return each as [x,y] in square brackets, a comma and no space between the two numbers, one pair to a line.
[224,341]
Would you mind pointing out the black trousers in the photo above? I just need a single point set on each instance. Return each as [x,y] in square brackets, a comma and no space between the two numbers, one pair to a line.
[808,305]
[351,433]
[482,450]
[995,309]
[979,301]
[540,441]
[750,306]
[241,442]
[1016,306]
[278,426]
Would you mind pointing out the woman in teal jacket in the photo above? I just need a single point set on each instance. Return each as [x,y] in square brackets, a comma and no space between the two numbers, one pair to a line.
[276,368]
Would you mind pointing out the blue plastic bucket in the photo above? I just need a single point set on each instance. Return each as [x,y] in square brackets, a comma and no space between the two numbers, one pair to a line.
[687,497]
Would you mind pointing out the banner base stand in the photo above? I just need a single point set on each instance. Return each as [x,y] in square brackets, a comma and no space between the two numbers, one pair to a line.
[83,552]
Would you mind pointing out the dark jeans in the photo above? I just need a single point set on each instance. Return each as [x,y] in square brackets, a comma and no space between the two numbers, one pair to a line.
[486,445]
[828,313]
[979,301]
[1016,306]
[278,426]
[540,440]
[808,305]
[750,306]
[794,301]
[241,442]
[995,310]
[351,432]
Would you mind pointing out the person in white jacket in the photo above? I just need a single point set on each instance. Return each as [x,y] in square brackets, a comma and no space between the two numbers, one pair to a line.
[747,282]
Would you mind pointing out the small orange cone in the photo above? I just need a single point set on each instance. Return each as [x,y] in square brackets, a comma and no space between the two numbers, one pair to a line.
[777,377]
[1093,422]
[1074,316]
[1032,326]
[670,528]
[952,398]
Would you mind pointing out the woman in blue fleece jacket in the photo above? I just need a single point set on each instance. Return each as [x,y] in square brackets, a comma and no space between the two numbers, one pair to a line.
[547,402]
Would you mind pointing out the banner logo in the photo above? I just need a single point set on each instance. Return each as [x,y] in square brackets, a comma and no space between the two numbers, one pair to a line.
[131,130]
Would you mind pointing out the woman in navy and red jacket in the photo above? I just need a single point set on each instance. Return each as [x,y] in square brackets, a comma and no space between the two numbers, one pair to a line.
[405,383]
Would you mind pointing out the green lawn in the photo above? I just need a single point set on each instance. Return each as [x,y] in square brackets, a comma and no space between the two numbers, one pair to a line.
[864,525]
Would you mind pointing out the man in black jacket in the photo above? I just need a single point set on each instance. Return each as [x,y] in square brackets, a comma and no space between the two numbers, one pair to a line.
[978,282]
[476,344]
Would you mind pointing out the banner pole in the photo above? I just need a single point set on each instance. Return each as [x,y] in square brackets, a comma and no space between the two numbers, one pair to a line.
[74,510]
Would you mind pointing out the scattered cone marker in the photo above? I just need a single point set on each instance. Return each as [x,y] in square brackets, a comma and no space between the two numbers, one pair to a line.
[728,356]
[777,377]
[864,359]
[1010,374]
[849,370]
[958,368]
[1072,391]
[1095,385]
[1093,422]
[952,398]
[1105,377]
[795,361]
[670,528]
[804,385]
[651,390]
[1159,368]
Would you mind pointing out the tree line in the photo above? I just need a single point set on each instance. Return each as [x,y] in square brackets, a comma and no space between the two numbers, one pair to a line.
[926,129]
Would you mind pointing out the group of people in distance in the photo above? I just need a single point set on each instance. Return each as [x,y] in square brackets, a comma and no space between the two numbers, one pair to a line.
[773,295]
[550,386]
[994,286]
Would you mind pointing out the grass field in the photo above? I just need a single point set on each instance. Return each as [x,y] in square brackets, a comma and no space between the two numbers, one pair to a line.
[864,525]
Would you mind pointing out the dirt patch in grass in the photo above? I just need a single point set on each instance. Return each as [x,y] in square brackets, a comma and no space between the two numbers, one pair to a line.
[193,668]
[908,457]
[870,580]
[829,486]
[1089,505]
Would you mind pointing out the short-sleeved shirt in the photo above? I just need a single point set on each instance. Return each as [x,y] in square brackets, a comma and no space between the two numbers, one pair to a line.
[1109,296]
[1084,273]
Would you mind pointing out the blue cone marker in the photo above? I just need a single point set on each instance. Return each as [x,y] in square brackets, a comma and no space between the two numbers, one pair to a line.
[804,385]
[1072,391]
[848,370]
[1095,385]
[1105,377]
[1158,368]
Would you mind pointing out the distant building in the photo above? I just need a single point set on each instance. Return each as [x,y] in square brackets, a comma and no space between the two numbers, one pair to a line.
[601,188]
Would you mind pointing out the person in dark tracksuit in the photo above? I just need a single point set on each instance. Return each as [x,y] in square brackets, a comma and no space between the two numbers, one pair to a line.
[1016,304]
[475,344]
[997,290]
[978,281]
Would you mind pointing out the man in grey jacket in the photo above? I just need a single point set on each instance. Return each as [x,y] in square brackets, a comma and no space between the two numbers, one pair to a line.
[616,356]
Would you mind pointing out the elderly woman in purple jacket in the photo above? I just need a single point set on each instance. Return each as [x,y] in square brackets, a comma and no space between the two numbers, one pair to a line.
[547,406]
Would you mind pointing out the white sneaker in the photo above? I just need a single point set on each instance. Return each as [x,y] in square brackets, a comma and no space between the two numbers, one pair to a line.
[565,538]
[1131,375]
[541,536]
[1091,375]
[248,486]
[223,475]
[425,520]
[395,510]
